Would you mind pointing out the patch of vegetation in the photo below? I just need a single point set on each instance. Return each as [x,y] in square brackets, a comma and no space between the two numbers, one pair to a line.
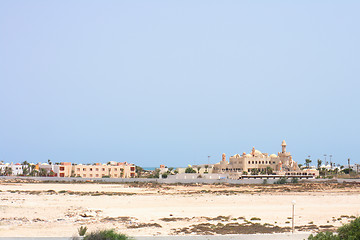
[82,230]
[294,180]
[190,170]
[324,236]
[173,219]
[231,228]
[142,225]
[106,235]
[350,231]
[255,219]
[282,180]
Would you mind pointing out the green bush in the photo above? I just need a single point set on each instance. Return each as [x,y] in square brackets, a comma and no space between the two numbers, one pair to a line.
[350,231]
[324,236]
[282,180]
[190,170]
[294,180]
[106,235]
[82,230]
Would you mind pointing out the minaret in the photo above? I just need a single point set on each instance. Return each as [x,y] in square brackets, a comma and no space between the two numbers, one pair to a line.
[283,145]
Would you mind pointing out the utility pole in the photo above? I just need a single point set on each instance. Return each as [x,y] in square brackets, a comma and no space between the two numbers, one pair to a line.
[349,165]
[293,202]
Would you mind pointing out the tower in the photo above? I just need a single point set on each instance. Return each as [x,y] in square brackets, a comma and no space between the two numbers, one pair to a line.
[283,145]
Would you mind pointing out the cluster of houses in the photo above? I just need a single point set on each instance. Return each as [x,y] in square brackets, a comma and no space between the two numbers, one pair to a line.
[67,169]
[254,164]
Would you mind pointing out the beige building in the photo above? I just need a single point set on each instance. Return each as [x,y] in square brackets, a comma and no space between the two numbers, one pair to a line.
[258,162]
[114,170]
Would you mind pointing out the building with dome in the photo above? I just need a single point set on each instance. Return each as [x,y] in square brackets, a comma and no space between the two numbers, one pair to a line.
[257,162]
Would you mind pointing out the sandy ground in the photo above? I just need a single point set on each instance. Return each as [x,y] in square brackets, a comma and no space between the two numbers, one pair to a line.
[58,210]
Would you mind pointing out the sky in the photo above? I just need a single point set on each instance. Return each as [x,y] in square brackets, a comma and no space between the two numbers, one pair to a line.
[173,82]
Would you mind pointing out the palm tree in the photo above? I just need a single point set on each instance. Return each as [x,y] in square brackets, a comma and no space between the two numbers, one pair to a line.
[139,170]
[254,171]
[33,171]
[319,162]
[8,171]
[43,172]
[26,170]
[307,162]
[269,170]
[198,168]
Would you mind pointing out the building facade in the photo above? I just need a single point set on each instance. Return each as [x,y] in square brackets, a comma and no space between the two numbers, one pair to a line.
[11,169]
[114,170]
[257,162]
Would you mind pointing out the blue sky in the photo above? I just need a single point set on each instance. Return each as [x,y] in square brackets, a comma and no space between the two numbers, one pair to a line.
[172,82]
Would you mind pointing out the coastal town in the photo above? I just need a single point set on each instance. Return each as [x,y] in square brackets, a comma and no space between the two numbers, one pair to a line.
[254,164]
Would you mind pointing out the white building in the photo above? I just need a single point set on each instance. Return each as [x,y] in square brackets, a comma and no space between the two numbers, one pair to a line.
[16,169]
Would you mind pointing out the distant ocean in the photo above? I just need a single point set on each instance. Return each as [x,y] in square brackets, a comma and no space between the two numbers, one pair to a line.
[153,168]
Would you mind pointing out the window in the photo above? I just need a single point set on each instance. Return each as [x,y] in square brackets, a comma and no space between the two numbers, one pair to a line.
[103,169]
[97,175]
[249,162]
[97,169]
[84,169]
[90,175]
[78,169]
[252,162]
[90,169]
[115,175]
[255,162]
[273,162]
[62,168]
[84,175]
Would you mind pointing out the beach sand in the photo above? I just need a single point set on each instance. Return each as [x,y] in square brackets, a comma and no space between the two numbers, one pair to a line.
[59,209]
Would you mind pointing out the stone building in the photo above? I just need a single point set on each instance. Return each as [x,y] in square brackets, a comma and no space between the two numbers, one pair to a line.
[257,162]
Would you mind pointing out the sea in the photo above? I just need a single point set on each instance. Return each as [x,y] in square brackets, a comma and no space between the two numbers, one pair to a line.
[153,168]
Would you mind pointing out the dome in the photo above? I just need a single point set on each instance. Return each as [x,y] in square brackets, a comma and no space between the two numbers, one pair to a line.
[237,156]
[273,156]
[257,153]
